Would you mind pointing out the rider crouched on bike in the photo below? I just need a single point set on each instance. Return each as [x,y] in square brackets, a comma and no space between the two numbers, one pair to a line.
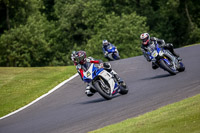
[81,62]
[105,47]
[147,41]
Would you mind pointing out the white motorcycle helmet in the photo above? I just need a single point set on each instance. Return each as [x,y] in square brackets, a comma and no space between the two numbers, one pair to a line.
[145,37]
[105,42]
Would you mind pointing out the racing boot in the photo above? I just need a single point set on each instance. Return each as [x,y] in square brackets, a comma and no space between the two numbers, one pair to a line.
[119,80]
[171,49]
[176,55]
[89,91]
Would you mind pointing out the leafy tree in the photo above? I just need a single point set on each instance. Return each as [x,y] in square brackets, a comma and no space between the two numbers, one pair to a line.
[38,33]
[27,45]
[76,24]
[14,13]
[123,31]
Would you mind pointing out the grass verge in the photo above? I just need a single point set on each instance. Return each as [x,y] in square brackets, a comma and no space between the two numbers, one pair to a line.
[180,117]
[19,86]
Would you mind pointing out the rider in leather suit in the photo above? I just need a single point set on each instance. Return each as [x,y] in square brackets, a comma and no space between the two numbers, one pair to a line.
[105,47]
[146,43]
[81,62]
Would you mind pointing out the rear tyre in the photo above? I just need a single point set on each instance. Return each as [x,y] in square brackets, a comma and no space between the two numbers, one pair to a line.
[104,92]
[166,67]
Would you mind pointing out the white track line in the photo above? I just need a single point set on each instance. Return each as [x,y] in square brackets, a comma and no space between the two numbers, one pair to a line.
[39,98]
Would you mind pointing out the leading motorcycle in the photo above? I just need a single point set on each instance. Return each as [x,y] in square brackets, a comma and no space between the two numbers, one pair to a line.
[103,81]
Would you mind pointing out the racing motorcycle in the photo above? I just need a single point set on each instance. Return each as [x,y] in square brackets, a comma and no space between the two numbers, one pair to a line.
[165,59]
[113,53]
[103,82]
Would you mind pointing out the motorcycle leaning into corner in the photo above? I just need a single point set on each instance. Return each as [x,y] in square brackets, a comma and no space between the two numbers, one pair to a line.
[165,59]
[103,81]
[112,53]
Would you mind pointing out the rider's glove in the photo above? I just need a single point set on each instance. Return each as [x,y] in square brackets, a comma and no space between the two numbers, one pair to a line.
[100,65]
[87,60]
[106,53]
[78,66]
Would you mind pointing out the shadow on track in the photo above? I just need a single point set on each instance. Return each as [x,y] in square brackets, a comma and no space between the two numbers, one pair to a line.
[98,100]
[157,77]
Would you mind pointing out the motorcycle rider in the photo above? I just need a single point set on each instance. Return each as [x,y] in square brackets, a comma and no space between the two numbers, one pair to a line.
[105,47]
[81,62]
[147,41]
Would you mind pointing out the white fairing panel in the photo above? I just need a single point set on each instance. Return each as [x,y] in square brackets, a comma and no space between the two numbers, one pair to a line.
[107,76]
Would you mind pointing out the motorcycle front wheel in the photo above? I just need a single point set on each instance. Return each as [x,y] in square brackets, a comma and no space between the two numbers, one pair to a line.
[116,56]
[166,67]
[104,92]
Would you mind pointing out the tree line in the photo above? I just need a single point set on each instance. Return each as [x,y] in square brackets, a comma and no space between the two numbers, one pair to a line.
[45,32]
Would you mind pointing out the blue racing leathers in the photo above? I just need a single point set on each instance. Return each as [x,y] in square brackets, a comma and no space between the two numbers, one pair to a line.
[105,48]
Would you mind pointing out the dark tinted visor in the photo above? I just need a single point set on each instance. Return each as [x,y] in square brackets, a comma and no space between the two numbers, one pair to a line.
[144,40]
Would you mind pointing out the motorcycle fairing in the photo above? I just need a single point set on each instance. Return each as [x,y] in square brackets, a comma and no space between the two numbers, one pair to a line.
[107,76]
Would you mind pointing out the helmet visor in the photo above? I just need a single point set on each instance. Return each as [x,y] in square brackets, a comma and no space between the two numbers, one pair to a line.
[145,39]
[80,57]
[105,43]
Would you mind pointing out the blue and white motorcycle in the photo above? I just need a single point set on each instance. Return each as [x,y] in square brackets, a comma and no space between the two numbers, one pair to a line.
[165,59]
[113,53]
[103,82]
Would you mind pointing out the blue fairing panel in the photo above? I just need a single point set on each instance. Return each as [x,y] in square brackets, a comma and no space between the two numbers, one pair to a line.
[100,70]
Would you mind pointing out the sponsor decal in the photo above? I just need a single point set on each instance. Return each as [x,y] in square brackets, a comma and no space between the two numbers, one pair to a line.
[88,74]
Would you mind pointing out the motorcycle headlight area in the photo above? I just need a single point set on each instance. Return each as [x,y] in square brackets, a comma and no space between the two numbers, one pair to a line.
[161,53]
[154,53]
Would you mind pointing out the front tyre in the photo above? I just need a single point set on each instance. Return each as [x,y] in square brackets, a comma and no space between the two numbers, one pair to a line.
[104,92]
[123,90]
[116,56]
[166,67]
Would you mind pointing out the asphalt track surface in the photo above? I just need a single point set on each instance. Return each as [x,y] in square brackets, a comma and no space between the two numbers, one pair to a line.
[69,110]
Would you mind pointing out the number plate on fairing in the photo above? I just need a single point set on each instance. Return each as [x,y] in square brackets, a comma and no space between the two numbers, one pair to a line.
[154,54]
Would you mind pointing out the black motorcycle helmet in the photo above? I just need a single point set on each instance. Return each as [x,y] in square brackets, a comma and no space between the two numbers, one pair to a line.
[80,57]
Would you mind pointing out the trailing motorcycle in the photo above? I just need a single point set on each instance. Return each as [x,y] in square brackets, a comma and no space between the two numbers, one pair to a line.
[165,59]
[113,53]
[103,82]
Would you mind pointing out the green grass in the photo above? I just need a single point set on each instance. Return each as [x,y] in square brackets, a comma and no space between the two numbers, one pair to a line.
[180,117]
[19,86]
[192,45]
